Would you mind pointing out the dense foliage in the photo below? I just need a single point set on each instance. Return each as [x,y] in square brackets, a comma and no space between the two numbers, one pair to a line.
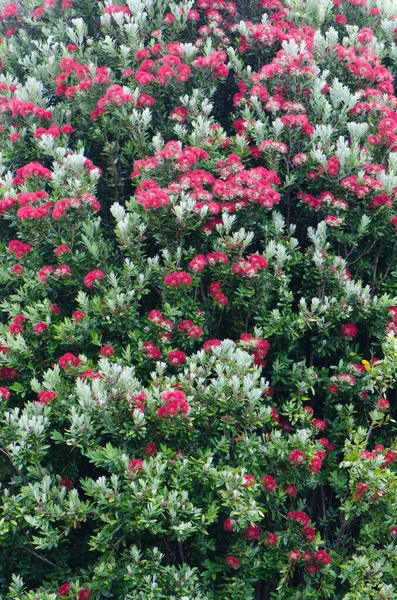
[198,269]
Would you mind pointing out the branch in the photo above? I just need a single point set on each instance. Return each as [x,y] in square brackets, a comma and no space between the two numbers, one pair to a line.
[42,558]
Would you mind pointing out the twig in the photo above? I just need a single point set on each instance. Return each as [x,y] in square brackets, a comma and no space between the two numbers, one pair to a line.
[42,558]
[361,255]
[369,432]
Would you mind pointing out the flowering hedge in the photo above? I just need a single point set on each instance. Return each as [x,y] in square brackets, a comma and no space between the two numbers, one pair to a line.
[198,268]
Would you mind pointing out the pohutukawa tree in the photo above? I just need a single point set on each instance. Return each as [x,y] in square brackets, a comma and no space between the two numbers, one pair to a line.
[198,267]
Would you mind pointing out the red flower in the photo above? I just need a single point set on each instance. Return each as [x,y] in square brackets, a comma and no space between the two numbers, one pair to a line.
[271,539]
[194,332]
[19,319]
[290,490]
[179,114]
[198,263]
[228,525]
[178,279]
[311,569]
[67,483]
[19,249]
[10,10]
[383,404]
[294,556]
[4,393]
[322,557]
[15,329]
[299,517]
[39,328]
[349,330]
[176,357]
[390,457]
[155,317]
[143,99]
[33,169]
[366,455]
[307,557]
[232,562]
[151,351]
[46,397]
[107,351]
[69,360]
[92,277]
[84,594]
[315,464]
[8,373]
[319,424]
[340,19]
[150,449]
[62,271]
[333,165]
[333,389]
[251,532]
[139,401]
[68,129]
[64,589]
[78,316]
[59,250]
[269,483]
[392,310]
[361,490]
[309,533]
[297,457]
[175,403]
[135,465]
[210,344]
[248,480]
[44,273]
[168,19]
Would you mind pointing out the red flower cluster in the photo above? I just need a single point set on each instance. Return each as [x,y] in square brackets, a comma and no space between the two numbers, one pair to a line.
[150,196]
[135,465]
[4,393]
[15,326]
[93,277]
[178,279]
[175,403]
[360,490]
[215,62]
[349,330]
[251,532]
[298,517]
[297,457]
[216,293]
[69,360]
[233,562]
[151,351]
[162,68]
[46,397]
[269,484]
[33,169]
[176,358]
[258,347]
[19,249]
[70,68]
[40,328]
[251,266]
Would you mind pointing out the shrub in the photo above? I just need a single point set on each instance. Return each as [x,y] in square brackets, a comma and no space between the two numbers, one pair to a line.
[198,266]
